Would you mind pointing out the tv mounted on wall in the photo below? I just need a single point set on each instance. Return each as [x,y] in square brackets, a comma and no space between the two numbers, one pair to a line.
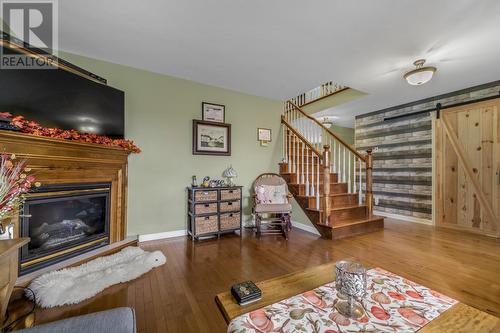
[62,99]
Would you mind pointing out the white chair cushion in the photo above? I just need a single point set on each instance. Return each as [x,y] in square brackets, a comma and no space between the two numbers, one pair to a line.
[271,194]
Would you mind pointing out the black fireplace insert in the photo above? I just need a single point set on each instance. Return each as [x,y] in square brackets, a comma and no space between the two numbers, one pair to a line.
[63,221]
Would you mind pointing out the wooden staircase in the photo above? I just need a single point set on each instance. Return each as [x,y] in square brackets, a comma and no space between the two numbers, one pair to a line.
[324,174]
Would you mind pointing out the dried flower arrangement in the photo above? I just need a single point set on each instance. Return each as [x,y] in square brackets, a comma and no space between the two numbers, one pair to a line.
[15,182]
[34,128]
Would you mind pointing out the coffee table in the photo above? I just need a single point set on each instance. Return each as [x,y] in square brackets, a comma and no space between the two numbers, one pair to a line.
[459,318]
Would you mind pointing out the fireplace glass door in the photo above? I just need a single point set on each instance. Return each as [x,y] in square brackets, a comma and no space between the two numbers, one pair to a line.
[64,221]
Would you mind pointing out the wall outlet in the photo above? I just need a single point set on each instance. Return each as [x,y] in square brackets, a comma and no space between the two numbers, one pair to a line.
[376,200]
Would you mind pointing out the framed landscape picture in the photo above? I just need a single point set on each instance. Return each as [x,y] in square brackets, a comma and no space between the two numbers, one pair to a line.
[211,138]
[213,112]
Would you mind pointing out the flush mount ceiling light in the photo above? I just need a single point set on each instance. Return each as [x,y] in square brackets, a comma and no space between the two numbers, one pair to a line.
[327,121]
[420,75]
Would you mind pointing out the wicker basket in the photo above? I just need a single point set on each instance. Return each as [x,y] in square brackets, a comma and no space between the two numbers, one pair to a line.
[230,194]
[230,206]
[230,221]
[207,224]
[205,208]
[205,196]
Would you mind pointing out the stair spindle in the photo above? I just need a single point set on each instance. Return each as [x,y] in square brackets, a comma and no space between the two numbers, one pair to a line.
[339,169]
[356,160]
[289,152]
[343,172]
[360,199]
[317,183]
[307,171]
[326,183]
[283,147]
[297,166]
[334,157]
[349,173]
[312,176]
[302,180]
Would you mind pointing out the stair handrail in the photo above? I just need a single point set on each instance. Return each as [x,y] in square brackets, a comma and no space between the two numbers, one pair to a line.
[348,146]
[301,137]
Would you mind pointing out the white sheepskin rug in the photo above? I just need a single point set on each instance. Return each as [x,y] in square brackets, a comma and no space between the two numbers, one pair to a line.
[75,284]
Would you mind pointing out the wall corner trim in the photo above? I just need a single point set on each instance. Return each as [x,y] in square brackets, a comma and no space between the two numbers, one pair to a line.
[162,235]
[307,228]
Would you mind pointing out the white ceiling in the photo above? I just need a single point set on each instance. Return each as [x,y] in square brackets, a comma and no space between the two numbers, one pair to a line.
[279,48]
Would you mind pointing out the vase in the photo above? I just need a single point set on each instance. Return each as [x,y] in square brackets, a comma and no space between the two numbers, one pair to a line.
[350,282]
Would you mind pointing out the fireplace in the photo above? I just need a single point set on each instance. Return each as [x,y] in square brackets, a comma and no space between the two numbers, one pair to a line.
[63,221]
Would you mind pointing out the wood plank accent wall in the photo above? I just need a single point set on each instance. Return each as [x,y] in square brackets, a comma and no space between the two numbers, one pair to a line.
[402,181]
[58,161]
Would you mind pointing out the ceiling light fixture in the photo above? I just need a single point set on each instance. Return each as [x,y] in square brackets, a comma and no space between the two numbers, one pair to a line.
[421,74]
[327,122]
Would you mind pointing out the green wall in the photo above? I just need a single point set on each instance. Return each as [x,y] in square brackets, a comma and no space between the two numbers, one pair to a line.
[158,116]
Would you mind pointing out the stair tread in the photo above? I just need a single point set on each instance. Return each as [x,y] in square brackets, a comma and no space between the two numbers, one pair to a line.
[344,223]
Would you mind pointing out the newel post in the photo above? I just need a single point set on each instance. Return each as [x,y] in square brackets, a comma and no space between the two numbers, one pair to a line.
[326,183]
[369,182]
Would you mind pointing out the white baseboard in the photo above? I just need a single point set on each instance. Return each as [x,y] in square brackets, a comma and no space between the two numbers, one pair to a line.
[404,217]
[162,235]
[305,227]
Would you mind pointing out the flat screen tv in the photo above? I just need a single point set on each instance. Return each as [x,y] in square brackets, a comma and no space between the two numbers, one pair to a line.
[62,99]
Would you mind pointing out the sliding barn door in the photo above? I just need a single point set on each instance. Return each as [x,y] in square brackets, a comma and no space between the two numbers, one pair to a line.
[467,165]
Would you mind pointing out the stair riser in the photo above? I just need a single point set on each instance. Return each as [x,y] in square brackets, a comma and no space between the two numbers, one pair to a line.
[334,188]
[347,214]
[293,178]
[337,201]
[356,229]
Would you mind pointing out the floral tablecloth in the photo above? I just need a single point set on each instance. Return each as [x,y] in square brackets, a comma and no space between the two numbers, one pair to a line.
[392,304]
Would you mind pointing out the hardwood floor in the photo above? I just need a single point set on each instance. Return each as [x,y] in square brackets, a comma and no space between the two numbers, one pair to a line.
[179,296]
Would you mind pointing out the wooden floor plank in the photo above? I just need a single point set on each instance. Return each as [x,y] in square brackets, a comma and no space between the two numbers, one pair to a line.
[179,296]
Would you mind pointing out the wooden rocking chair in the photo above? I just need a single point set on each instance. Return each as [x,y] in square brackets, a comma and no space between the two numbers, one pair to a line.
[278,221]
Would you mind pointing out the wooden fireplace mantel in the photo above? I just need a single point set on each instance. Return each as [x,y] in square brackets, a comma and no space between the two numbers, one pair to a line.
[59,161]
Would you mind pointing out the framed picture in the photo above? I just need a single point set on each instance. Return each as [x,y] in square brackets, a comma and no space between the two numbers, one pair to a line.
[211,138]
[264,134]
[213,112]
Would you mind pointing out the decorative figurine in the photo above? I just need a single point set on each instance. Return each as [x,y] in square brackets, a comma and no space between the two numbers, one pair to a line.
[206,181]
[230,173]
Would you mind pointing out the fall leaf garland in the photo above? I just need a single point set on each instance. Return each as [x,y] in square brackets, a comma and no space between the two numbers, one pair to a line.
[34,128]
